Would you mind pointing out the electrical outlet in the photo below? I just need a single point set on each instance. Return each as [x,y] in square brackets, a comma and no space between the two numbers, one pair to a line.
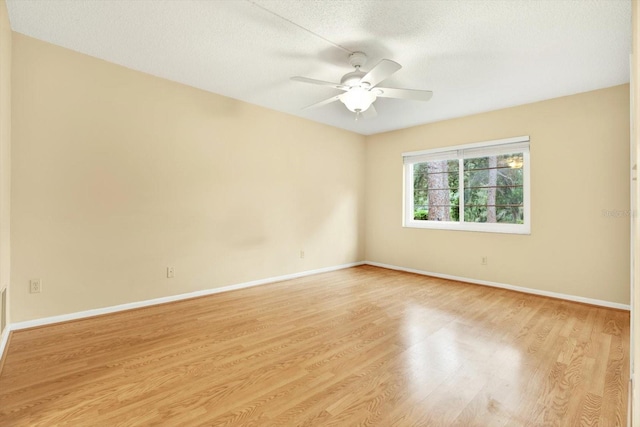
[484,260]
[35,286]
[171,272]
[301,254]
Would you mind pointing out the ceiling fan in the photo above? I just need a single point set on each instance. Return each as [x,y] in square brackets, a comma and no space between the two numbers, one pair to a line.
[361,90]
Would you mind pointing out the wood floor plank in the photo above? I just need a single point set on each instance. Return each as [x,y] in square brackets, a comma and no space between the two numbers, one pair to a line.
[360,346]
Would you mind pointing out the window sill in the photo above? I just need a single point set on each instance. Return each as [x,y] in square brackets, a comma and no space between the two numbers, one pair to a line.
[471,226]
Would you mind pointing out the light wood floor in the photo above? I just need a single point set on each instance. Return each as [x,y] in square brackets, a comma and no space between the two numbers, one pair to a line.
[362,346]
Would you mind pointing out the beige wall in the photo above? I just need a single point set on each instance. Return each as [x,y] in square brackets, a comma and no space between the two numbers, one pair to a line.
[635,152]
[5,150]
[580,167]
[118,174]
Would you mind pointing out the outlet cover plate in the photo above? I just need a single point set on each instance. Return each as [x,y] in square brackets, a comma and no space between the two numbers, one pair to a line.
[35,286]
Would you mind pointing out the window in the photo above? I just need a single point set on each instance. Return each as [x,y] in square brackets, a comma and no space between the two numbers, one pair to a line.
[474,187]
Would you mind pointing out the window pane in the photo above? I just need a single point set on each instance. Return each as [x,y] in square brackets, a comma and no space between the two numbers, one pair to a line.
[435,193]
[493,189]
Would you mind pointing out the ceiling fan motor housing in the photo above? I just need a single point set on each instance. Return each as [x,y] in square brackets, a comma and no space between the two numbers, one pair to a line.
[357,59]
[352,78]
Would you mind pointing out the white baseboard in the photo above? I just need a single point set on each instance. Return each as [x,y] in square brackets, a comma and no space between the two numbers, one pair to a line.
[122,307]
[4,339]
[557,295]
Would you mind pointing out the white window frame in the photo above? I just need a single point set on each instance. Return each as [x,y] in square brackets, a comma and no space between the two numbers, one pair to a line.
[479,149]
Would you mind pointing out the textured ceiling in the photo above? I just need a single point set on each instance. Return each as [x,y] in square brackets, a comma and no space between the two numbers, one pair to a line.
[475,55]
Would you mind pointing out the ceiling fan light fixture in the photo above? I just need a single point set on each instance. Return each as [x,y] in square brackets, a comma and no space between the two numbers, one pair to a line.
[358,99]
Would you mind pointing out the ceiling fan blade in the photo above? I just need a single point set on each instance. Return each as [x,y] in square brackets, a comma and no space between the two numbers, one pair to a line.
[381,71]
[319,82]
[369,113]
[324,102]
[413,94]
